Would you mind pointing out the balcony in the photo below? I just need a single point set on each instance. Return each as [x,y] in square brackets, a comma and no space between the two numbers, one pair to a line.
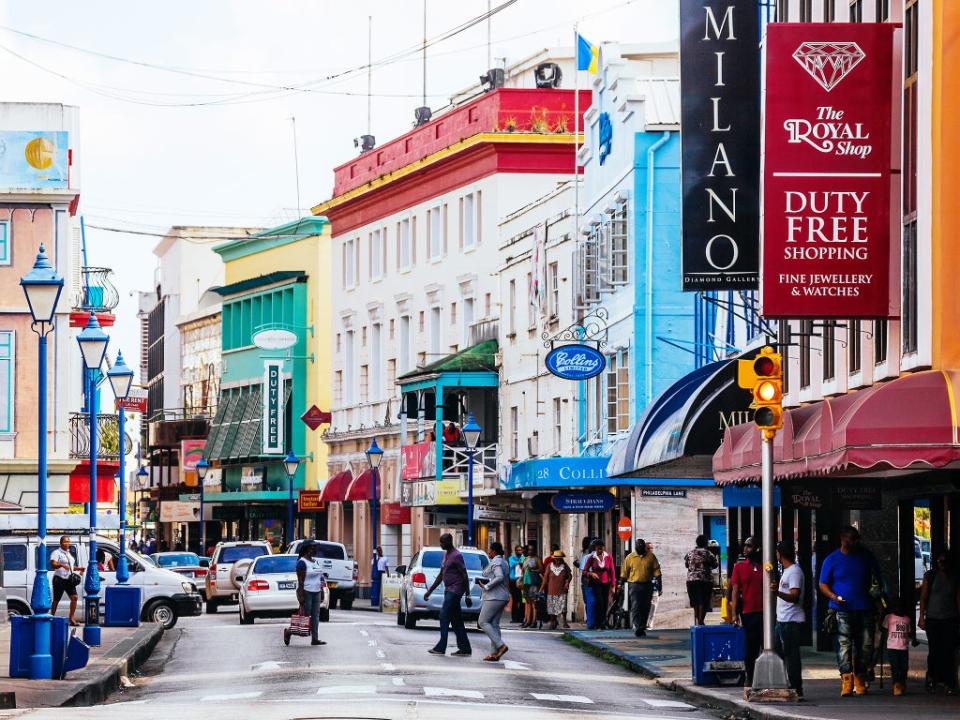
[108,446]
[97,294]
[455,467]
[168,427]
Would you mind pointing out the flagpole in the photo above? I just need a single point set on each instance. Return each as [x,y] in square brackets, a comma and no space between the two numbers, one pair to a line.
[576,134]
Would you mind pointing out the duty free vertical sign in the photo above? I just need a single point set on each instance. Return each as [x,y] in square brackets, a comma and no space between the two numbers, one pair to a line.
[827,190]
[272,410]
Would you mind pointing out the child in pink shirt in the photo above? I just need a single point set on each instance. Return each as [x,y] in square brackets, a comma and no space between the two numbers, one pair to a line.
[899,630]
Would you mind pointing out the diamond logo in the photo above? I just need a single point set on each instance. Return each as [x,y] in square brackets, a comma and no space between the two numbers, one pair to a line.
[828,62]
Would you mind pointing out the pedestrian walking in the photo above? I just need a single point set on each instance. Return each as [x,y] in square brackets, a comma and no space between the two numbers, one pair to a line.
[790,614]
[530,582]
[310,588]
[65,577]
[587,548]
[747,596]
[939,616]
[899,629]
[516,595]
[700,564]
[846,579]
[495,583]
[378,568]
[603,582]
[556,582]
[640,571]
[456,584]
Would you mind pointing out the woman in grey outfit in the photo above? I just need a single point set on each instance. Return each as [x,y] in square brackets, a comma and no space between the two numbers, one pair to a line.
[496,594]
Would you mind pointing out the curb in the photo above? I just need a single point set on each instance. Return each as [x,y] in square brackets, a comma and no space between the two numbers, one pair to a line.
[102,677]
[615,656]
[711,700]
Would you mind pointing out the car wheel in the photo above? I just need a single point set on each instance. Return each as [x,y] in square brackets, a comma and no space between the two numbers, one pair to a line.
[162,613]
[324,615]
[17,609]
[401,617]
[246,618]
[346,602]
[211,606]
[410,621]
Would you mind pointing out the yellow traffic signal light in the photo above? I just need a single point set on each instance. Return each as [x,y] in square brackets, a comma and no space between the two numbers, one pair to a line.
[763,376]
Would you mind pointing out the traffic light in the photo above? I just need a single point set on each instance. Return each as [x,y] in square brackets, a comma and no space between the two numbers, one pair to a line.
[763,377]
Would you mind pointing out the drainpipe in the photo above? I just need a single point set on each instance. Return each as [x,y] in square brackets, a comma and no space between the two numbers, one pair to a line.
[648,305]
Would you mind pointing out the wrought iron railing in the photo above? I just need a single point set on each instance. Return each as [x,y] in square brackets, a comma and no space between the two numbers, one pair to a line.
[456,459]
[108,445]
[96,294]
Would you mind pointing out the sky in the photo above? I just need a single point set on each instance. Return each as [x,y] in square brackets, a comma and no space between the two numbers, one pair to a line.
[186,105]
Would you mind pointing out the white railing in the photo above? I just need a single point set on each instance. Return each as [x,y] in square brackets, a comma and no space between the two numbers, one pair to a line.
[368,415]
[456,459]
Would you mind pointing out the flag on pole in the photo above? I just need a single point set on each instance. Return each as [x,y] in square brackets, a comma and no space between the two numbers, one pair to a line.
[587,54]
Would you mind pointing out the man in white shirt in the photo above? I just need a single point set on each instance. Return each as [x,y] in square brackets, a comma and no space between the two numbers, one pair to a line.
[790,614]
[62,564]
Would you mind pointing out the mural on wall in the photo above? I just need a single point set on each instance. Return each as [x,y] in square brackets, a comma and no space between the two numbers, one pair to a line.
[34,159]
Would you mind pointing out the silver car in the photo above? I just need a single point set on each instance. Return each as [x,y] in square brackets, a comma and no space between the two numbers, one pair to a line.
[418,576]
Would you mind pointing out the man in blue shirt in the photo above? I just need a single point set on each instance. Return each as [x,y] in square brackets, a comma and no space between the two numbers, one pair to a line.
[845,580]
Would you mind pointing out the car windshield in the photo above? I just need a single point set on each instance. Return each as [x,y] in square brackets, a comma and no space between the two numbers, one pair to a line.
[178,560]
[329,551]
[275,564]
[473,561]
[241,552]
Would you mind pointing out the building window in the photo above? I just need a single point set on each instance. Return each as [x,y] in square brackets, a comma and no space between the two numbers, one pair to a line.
[405,345]
[392,331]
[854,347]
[4,243]
[467,320]
[806,10]
[557,424]
[512,316]
[435,232]
[468,221]
[514,433]
[436,331]
[856,11]
[531,299]
[829,10]
[404,246]
[829,350]
[349,392]
[376,362]
[391,376]
[338,388]
[806,331]
[338,342]
[908,310]
[487,304]
[363,336]
[351,260]
[422,322]
[7,394]
[364,383]
[880,330]
[618,393]
[377,253]
[553,290]
[883,10]
[782,11]
[619,247]
[453,313]
[784,335]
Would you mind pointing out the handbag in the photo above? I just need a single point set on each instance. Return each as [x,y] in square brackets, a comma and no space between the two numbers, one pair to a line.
[74,579]
[299,624]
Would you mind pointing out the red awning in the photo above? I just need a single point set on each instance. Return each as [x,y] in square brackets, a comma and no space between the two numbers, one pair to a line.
[106,484]
[360,487]
[336,487]
[910,422]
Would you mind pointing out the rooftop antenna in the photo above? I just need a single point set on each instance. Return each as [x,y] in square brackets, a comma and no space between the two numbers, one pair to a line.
[489,46]
[369,69]
[424,53]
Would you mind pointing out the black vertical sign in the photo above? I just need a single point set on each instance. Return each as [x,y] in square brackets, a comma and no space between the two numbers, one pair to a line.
[720,139]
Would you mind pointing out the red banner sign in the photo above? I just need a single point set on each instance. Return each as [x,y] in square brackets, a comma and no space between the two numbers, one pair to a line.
[827,160]
[315,417]
[394,514]
[309,501]
[418,461]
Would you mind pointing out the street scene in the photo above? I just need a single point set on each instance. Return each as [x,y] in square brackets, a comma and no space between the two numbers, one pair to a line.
[416,359]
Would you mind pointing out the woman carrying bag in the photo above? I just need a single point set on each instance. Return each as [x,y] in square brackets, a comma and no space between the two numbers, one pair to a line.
[309,589]
[530,583]
[496,594]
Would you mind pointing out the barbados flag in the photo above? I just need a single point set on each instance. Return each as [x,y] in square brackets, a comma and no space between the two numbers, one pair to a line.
[587,54]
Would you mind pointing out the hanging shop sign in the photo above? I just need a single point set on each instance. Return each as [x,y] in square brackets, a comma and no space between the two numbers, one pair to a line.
[435,492]
[394,514]
[275,339]
[309,501]
[827,170]
[314,417]
[581,502]
[575,362]
[175,511]
[720,144]
[419,461]
[272,410]
[663,492]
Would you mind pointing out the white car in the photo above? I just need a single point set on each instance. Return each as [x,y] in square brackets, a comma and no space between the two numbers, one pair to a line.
[229,562]
[269,589]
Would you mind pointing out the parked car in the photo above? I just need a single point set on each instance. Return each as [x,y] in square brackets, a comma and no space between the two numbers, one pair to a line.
[229,560]
[269,589]
[919,568]
[340,571]
[419,575]
[166,596]
[924,550]
[186,564]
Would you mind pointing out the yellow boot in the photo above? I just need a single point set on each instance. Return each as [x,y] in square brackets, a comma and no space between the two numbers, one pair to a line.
[846,684]
[859,687]
[898,689]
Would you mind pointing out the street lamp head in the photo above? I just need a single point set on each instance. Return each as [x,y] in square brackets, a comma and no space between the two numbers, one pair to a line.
[120,377]
[374,454]
[143,477]
[42,286]
[202,468]
[93,343]
[290,464]
[471,433]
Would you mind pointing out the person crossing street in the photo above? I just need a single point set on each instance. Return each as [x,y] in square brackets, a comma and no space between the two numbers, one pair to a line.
[456,584]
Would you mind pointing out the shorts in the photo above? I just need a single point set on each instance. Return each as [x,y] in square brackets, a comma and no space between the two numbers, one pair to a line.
[700,592]
[61,586]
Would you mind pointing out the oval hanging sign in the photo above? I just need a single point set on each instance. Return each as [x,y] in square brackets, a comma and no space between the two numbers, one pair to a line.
[275,339]
[575,362]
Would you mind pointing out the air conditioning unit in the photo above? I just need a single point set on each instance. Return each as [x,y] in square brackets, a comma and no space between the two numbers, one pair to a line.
[548,75]
[492,79]
[421,116]
[533,444]
[365,143]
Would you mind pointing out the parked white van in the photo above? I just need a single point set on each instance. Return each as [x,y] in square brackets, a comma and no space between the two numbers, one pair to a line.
[166,596]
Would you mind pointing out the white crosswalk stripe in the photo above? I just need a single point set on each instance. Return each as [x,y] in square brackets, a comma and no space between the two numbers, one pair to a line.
[675,704]
[450,692]
[563,698]
[233,696]
[348,690]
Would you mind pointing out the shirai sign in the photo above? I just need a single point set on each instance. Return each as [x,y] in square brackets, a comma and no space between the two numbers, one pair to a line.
[827,170]
[720,144]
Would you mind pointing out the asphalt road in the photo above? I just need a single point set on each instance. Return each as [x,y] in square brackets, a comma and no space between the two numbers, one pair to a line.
[213,667]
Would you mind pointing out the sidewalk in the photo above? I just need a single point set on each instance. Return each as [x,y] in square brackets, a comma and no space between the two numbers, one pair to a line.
[665,656]
[121,652]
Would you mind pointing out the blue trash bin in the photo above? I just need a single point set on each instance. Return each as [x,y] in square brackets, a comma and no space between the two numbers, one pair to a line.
[21,645]
[78,654]
[121,606]
[716,654]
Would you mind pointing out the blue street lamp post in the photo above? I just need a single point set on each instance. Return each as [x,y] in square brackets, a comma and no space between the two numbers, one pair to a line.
[374,457]
[42,287]
[143,478]
[290,464]
[121,378]
[93,346]
[203,467]
[471,436]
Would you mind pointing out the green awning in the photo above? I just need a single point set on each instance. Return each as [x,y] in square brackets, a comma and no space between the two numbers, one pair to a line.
[253,283]
[476,358]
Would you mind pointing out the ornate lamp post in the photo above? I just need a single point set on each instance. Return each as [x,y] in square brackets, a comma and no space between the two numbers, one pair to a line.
[121,378]
[93,346]
[42,287]
[143,477]
[471,436]
[374,458]
[290,464]
[203,467]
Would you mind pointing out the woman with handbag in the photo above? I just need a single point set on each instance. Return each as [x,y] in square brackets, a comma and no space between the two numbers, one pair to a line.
[66,577]
[530,582]
[603,581]
[310,587]
[495,597]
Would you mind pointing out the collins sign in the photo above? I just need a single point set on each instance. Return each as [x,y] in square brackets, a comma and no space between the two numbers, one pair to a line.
[575,362]
[827,170]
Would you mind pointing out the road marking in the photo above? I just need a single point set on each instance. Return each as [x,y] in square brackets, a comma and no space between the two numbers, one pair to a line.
[676,704]
[372,643]
[563,698]
[381,653]
[389,667]
[398,681]
[365,633]
[450,692]
[234,696]
[269,665]
[348,690]
[515,665]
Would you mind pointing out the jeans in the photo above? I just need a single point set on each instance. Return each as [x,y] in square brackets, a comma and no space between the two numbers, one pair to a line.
[601,600]
[641,595]
[516,603]
[753,641]
[311,607]
[450,615]
[942,639]
[854,644]
[788,647]
[899,663]
[490,614]
[588,606]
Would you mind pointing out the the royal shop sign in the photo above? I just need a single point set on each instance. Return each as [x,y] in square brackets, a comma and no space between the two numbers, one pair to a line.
[575,362]
[827,170]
